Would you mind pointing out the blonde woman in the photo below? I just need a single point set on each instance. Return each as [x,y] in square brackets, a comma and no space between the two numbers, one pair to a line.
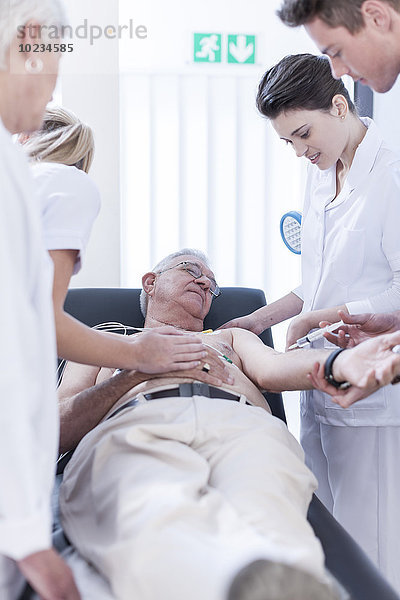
[61,154]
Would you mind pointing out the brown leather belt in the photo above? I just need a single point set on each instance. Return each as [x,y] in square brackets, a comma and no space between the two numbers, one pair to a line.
[185,390]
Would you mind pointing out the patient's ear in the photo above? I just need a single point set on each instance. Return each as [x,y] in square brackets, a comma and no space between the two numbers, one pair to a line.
[148,282]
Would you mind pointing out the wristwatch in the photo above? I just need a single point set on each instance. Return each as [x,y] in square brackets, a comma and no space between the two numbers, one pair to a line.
[340,385]
[396,350]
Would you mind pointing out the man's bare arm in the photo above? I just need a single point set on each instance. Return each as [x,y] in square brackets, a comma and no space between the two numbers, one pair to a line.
[83,404]
[77,377]
[271,370]
[366,367]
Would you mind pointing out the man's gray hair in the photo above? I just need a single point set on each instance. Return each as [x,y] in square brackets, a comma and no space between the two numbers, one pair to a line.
[14,14]
[165,263]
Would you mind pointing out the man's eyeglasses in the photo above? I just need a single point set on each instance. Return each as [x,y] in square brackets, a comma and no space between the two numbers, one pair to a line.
[195,272]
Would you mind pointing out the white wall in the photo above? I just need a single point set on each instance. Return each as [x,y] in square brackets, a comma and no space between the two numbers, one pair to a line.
[170,25]
[90,87]
[164,61]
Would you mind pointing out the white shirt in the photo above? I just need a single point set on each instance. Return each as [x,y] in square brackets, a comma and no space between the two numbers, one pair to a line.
[29,410]
[351,255]
[69,204]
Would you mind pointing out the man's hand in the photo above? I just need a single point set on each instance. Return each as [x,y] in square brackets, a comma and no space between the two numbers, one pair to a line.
[360,328]
[344,398]
[165,349]
[367,367]
[249,322]
[49,576]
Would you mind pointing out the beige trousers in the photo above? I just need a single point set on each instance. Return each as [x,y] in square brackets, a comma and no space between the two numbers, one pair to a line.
[171,498]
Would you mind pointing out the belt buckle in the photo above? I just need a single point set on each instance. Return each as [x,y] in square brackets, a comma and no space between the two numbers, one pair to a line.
[196,388]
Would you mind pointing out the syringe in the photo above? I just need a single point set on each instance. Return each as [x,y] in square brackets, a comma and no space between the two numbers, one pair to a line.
[315,335]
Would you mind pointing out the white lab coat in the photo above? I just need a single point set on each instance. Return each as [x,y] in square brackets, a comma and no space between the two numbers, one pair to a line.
[29,414]
[351,255]
[69,203]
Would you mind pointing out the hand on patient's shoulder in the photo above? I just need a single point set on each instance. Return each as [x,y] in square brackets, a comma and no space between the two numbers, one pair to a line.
[49,576]
[249,322]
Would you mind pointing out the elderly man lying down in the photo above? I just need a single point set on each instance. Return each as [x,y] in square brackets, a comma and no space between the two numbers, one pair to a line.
[185,486]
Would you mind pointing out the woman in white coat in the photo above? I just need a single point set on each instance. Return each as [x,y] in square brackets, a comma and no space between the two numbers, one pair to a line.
[350,261]
[29,416]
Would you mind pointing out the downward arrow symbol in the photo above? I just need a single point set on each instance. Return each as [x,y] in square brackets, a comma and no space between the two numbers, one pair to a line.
[241,51]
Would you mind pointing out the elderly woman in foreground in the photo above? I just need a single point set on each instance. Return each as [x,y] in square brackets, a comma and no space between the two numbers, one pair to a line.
[29,421]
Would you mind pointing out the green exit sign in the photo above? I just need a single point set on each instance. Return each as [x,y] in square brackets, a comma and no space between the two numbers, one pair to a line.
[242,49]
[207,47]
[238,48]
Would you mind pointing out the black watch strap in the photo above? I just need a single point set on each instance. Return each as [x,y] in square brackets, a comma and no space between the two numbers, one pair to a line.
[340,385]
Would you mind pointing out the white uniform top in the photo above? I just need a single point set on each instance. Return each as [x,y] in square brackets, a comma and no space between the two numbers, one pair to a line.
[69,204]
[29,410]
[351,255]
